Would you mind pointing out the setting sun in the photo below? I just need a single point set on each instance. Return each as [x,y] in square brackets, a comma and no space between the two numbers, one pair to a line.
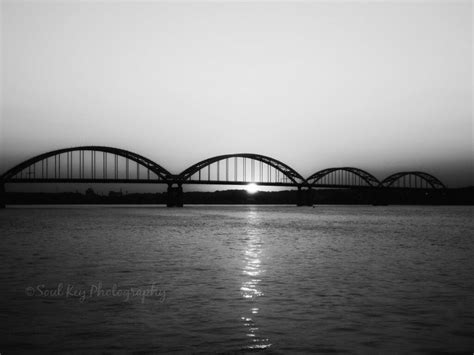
[252,188]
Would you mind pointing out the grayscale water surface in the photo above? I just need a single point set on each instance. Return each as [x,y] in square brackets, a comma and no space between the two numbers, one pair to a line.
[237,279]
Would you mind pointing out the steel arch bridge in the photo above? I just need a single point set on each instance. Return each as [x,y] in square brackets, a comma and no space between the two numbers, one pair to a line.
[101,164]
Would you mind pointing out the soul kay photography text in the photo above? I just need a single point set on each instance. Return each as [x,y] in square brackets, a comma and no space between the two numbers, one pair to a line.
[83,293]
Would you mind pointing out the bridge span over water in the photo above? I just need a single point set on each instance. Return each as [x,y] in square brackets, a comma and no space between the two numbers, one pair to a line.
[100,164]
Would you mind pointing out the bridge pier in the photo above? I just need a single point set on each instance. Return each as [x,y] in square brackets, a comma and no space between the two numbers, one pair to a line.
[304,197]
[2,195]
[174,196]
[379,196]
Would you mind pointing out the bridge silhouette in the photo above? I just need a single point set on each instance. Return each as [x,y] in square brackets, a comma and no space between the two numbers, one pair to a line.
[100,164]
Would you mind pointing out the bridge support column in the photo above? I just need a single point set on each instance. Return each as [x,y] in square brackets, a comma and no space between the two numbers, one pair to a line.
[2,195]
[304,197]
[174,196]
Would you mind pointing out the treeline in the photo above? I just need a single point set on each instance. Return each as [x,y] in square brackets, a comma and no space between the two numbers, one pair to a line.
[462,196]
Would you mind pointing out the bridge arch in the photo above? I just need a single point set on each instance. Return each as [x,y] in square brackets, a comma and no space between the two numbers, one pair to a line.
[241,168]
[39,169]
[412,179]
[343,176]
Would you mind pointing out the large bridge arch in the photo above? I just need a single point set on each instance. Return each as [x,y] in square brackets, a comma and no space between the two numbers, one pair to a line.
[38,168]
[343,176]
[412,179]
[242,168]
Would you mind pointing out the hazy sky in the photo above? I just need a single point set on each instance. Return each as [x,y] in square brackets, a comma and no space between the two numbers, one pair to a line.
[384,86]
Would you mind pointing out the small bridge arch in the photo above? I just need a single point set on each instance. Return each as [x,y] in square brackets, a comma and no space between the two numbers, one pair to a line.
[342,177]
[412,180]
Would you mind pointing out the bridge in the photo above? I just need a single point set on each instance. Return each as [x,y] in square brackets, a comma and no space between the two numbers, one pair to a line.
[100,164]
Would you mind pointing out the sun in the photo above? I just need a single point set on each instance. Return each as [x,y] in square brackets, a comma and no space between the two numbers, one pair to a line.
[251,188]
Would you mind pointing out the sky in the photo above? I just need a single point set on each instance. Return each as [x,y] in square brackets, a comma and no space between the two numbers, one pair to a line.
[382,86]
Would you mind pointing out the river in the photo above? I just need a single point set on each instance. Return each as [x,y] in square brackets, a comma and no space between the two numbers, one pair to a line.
[275,279]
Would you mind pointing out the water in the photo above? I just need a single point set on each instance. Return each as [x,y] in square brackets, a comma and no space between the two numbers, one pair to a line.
[237,279]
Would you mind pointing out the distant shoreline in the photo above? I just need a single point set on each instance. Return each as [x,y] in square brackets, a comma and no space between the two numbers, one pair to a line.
[458,196]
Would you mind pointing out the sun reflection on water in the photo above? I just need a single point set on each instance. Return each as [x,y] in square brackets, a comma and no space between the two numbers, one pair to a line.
[250,289]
